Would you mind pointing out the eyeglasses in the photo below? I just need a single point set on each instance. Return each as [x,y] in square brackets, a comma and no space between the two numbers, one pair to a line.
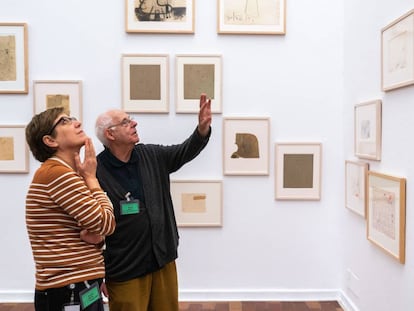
[125,122]
[64,121]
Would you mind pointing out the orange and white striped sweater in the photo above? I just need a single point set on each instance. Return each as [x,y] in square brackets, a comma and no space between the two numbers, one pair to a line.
[58,206]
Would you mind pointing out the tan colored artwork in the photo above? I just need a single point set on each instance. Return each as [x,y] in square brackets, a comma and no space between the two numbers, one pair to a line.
[6,149]
[193,202]
[247,146]
[8,58]
[383,209]
[145,82]
[198,78]
[298,171]
[58,100]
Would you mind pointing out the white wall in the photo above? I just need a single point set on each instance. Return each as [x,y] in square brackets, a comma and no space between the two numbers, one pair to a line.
[266,249]
[381,282]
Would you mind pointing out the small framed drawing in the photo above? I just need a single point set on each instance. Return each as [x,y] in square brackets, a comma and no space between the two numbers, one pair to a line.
[14,152]
[66,94]
[298,171]
[197,203]
[13,58]
[397,53]
[367,130]
[356,186]
[145,85]
[386,213]
[251,17]
[198,74]
[149,16]
[246,146]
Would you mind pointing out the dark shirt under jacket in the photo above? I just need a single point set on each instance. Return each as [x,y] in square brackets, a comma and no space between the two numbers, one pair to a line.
[143,243]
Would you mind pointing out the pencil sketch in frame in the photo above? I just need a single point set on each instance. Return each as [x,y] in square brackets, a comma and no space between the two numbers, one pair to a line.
[196,74]
[58,93]
[386,213]
[14,152]
[356,186]
[149,16]
[397,40]
[267,17]
[13,58]
[246,145]
[368,130]
[145,86]
[197,203]
[298,171]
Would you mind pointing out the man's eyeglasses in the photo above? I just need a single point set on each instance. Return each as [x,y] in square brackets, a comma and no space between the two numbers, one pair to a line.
[125,122]
[64,121]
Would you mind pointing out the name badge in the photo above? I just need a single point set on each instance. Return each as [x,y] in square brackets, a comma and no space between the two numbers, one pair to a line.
[89,295]
[129,207]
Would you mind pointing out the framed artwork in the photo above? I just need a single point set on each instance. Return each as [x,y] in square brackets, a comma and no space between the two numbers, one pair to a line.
[356,186]
[367,130]
[197,203]
[66,94]
[149,16]
[246,146]
[266,17]
[196,74]
[386,213]
[145,86]
[14,152]
[397,41]
[298,171]
[13,58]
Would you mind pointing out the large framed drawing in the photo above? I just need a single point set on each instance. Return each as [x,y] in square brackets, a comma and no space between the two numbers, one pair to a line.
[197,203]
[67,94]
[14,152]
[246,146]
[196,74]
[367,130]
[397,40]
[386,213]
[356,186]
[251,17]
[145,86]
[166,16]
[298,171]
[13,58]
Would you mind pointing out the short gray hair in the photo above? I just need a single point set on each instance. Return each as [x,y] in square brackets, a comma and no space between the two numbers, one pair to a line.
[103,121]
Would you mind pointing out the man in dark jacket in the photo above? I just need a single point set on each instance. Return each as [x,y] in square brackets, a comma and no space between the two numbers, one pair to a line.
[140,256]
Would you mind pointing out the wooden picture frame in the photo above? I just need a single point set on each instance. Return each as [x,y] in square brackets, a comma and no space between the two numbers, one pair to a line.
[368,130]
[14,58]
[298,171]
[397,53]
[197,203]
[386,213]
[246,145]
[150,17]
[196,74]
[14,152]
[145,86]
[251,17]
[58,93]
[356,186]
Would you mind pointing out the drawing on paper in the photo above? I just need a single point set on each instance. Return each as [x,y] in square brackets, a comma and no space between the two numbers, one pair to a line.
[198,78]
[398,51]
[6,148]
[383,212]
[252,12]
[160,10]
[298,170]
[8,58]
[247,146]
[58,100]
[145,82]
[193,202]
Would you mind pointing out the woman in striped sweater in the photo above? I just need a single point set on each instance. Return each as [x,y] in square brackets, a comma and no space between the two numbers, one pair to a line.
[66,214]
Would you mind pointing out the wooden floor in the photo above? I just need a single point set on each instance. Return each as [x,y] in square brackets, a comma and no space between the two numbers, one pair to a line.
[224,306]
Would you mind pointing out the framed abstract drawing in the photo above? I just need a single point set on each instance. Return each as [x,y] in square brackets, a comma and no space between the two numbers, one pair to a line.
[298,171]
[196,74]
[145,86]
[386,213]
[14,152]
[149,16]
[13,58]
[246,145]
[367,130]
[197,203]
[397,64]
[67,94]
[267,17]
[356,186]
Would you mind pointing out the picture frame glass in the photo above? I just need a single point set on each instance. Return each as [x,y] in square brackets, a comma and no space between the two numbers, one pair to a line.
[14,152]
[355,186]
